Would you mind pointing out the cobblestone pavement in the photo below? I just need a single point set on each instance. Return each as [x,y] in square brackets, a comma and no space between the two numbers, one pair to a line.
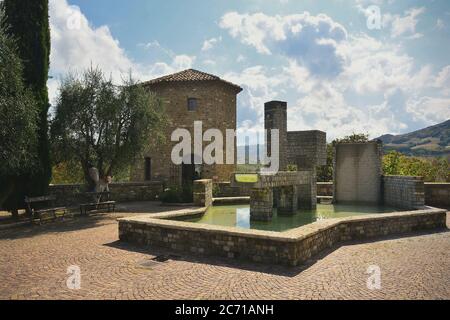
[34,262]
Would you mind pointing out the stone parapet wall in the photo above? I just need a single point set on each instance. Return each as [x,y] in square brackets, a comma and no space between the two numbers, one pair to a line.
[72,194]
[437,195]
[403,192]
[280,179]
[224,189]
[291,247]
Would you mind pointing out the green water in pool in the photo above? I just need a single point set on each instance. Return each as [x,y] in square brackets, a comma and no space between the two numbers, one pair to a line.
[239,216]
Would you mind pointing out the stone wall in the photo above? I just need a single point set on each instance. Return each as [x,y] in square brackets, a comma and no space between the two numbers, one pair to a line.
[307,149]
[437,195]
[72,194]
[403,192]
[203,193]
[224,189]
[261,204]
[291,248]
[357,172]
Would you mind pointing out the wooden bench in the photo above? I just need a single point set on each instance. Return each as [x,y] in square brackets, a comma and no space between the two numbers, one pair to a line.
[98,205]
[44,213]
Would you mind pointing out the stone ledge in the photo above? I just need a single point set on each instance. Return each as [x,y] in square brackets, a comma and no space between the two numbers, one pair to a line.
[231,200]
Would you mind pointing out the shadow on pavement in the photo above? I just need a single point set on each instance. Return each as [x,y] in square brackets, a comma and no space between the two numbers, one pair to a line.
[286,271]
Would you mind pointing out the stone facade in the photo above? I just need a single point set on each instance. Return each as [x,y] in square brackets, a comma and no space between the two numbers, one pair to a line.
[216,108]
[307,149]
[404,192]
[357,172]
[292,247]
[203,193]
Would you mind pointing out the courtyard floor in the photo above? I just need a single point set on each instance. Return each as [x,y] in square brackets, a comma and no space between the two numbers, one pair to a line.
[34,262]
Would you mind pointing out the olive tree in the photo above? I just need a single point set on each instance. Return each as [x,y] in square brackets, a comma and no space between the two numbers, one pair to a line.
[103,125]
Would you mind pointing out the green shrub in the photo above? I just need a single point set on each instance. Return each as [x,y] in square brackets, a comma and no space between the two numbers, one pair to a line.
[215,190]
[177,195]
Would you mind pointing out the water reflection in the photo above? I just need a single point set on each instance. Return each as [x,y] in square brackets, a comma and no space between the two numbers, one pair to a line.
[239,216]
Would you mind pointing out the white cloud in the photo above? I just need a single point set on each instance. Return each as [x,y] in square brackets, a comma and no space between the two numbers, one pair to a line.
[369,68]
[240,58]
[373,66]
[406,24]
[259,87]
[211,43]
[156,46]
[430,109]
[440,24]
[311,40]
[442,81]
[76,45]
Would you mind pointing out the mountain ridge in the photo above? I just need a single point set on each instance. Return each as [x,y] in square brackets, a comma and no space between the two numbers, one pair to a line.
[429,141]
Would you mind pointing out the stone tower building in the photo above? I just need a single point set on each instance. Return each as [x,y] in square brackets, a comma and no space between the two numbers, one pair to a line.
[189,96]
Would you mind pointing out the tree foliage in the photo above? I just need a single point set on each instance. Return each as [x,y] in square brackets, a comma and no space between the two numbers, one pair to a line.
[98,123]
[18,116]
[431,169]
[28,23]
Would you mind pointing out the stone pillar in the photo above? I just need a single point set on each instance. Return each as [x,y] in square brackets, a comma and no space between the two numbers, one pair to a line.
[261,204]
[203,193]
[288,200]
[307,193]
[275,117]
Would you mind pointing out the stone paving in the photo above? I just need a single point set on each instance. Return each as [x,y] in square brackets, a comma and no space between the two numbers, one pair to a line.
[34,262]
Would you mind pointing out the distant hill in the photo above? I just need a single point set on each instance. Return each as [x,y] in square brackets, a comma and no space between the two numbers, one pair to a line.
[431,141]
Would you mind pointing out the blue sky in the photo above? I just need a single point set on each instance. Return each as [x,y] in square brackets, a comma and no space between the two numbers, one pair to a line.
[337,74]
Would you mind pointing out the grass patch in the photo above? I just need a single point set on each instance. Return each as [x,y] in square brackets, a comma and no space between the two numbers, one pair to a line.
[246,178]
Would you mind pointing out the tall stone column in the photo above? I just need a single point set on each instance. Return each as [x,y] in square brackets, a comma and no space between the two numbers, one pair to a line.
[261,204]
[275,117]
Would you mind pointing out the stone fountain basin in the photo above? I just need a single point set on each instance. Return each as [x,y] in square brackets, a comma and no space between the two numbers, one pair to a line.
[292,247]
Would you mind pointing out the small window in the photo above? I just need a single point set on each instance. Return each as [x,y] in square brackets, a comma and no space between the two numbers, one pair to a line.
[192,104]
[148,169]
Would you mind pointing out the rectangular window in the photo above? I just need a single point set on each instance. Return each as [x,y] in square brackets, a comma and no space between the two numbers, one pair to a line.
[192,104]
[148,169]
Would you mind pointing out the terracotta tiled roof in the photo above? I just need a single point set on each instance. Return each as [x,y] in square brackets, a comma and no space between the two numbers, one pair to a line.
[190,75]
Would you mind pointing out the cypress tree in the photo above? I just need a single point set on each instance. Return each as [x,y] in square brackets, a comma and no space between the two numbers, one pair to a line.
[29,24]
